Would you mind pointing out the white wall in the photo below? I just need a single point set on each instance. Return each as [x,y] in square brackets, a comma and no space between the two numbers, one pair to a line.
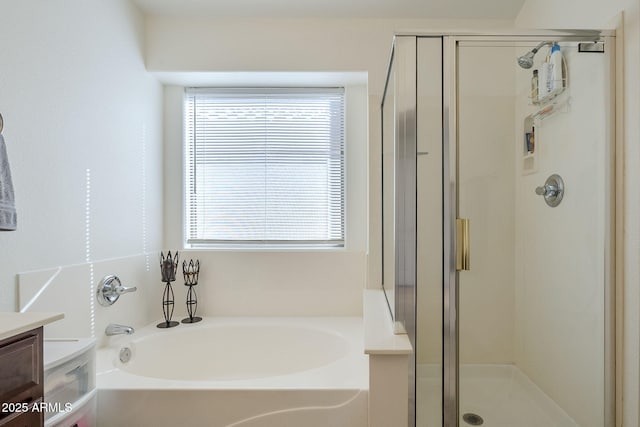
[50,290]
[192,44]
[263,283]
[75,97]
[245,282]
[600,14]
[294,45]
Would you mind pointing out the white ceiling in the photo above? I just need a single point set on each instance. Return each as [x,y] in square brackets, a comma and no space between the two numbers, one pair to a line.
[407,9]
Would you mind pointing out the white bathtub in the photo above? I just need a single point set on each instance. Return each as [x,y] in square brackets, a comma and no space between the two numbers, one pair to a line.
[244,372]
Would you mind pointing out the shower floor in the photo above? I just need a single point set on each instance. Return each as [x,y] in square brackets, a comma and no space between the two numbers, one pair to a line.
[501,394]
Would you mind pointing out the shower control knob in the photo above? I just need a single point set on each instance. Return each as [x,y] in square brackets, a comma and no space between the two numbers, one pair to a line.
[552,190]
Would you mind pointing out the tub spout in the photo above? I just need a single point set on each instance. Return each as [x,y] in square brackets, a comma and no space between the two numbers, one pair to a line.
[115,329]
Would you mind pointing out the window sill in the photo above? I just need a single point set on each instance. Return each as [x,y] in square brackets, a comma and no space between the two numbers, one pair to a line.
[225,247]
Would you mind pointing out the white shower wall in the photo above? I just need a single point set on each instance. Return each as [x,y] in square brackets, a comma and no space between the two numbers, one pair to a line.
[623,15]
[561,252]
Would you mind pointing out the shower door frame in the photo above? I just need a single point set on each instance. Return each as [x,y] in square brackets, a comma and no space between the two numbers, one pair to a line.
[451,373]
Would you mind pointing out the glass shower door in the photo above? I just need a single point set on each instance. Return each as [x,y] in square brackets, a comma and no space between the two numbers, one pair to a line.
[534,309]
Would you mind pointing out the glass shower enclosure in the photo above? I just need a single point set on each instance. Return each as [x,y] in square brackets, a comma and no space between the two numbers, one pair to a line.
[498,198]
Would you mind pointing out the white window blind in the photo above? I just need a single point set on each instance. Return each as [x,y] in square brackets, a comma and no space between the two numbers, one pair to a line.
[265,166]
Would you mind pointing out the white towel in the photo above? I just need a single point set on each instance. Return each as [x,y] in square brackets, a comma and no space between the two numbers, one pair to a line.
[8,219]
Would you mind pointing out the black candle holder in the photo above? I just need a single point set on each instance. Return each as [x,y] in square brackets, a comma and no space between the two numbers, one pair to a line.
[191,272]
[168,267]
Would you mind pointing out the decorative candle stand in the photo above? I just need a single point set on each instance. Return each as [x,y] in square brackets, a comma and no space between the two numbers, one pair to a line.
[191,272]
[168,267]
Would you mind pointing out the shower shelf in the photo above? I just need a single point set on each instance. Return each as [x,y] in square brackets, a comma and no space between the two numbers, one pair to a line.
[561,103]
[550,99]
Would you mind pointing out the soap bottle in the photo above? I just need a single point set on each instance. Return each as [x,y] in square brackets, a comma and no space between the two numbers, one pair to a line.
[556,69]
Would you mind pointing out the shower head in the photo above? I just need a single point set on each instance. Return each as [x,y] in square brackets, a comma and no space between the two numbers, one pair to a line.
[526,60]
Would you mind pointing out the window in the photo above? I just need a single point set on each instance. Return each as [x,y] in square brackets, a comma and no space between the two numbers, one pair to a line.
[265,166]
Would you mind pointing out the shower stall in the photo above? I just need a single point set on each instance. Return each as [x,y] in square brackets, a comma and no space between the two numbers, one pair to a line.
[498,226]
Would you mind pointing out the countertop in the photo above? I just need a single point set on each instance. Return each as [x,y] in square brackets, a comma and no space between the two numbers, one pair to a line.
[378,327]
[16,323]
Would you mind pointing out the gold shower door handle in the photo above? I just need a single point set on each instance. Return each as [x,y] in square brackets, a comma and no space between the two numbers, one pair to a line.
[462,244]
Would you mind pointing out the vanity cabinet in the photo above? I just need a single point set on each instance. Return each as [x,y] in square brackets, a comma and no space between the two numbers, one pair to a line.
[21,380]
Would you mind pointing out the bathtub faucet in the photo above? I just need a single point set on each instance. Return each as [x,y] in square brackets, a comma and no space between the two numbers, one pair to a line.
[115,329]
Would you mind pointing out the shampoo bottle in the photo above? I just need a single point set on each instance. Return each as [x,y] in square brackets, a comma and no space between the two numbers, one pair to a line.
[556,71]
[543,81]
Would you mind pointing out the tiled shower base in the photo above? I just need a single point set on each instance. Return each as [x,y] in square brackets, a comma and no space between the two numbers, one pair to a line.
[500,394]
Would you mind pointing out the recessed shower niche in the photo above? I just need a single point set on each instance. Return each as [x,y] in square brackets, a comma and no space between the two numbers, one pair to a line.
[524,330]
[533,124]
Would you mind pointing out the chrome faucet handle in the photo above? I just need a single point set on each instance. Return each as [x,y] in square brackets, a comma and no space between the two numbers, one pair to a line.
[552,190]
[122,290]
[110,289]
[547,190]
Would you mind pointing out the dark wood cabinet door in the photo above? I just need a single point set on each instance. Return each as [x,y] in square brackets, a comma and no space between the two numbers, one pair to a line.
[21,379]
